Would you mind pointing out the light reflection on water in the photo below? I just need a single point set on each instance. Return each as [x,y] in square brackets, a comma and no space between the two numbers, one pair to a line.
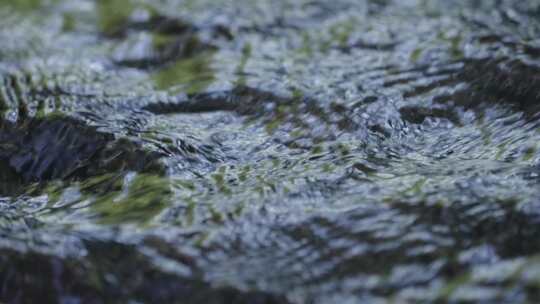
[265,152]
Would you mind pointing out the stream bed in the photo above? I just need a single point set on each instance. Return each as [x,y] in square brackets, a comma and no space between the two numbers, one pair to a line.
[256,151]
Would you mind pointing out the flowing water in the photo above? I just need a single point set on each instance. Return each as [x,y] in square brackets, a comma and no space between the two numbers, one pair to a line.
[291,151]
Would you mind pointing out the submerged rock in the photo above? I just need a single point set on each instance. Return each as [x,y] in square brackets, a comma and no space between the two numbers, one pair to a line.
[59,147]
[157,41]
[497,81]
[111,272]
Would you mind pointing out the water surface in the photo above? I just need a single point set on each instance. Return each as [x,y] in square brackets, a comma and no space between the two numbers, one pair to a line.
[269,151]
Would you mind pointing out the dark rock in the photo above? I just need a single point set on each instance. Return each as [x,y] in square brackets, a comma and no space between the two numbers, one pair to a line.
[40,150]
[107,275]
[417,115]
[489,81]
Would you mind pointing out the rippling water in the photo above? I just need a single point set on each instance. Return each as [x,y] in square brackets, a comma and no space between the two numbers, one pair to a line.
[240,151]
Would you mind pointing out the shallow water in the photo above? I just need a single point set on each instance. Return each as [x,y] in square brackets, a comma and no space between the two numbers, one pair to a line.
[269,151]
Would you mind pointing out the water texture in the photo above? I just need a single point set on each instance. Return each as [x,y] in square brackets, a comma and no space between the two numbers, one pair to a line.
[288,151]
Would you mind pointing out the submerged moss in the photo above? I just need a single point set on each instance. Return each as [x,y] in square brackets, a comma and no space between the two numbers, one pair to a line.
[114,14]
[190,75]
[240,70]
[138,201]
[24,5]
